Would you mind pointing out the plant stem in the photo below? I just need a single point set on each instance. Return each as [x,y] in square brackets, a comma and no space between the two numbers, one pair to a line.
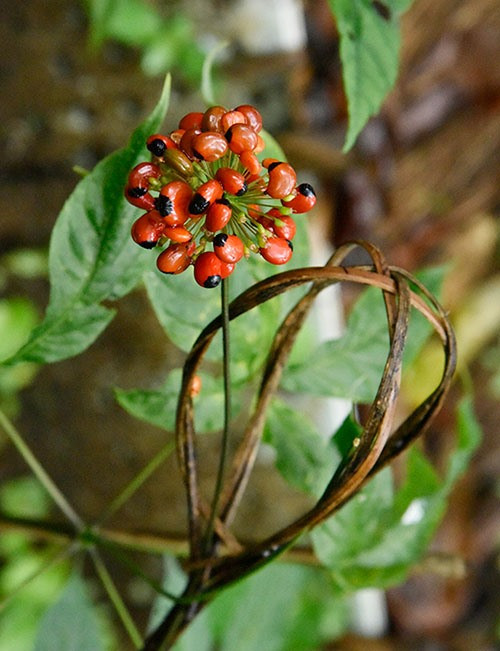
[115,598]
[226,367]
[54,559]
[136,482]
[40,472]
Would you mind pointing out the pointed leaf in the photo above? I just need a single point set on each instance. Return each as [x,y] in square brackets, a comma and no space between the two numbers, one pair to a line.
[369,49]
[92,257]
[376,538]
[158,407]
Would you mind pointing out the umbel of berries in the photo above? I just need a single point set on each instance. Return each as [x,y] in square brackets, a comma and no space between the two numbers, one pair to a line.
[208,201]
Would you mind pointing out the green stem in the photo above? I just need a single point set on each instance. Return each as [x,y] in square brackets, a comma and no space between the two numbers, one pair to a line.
[40,472]
[53,560]
[227,413]
[116,599]
[136,482]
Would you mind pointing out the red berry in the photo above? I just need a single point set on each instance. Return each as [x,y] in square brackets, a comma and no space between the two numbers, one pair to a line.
[228,248]
[158,144]
[303,201]
[251,163]
[177,234]
[209,146]
[282,180]
[277,250]
[283,225]
[232,117]
[175,259]
[241,138]
[173,202]
[226,269]
[191,121]
[212,117]
[186,143]
[252,117]
[195,386]
[177,135]
[261,145]
[205,196]
[207,270]
[218,215]
[138,179]
[147,230]
[269,161]
[140,198]
[231,180]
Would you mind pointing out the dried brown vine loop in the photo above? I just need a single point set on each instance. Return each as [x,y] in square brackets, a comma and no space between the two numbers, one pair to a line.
[376,446]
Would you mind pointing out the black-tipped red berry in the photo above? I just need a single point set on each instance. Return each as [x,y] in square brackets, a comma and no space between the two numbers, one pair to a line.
[228,248]
[164,205]
[208,270]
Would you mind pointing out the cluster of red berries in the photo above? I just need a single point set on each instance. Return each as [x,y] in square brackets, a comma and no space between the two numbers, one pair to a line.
[206,187]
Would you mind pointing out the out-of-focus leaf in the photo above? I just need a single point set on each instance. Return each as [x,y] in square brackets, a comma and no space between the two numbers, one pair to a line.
[198,635]
[18,317]
[303,457]
[92,257]
[351,366]
[158,407]
[369,49]
[71,624]
[282,607]
[132,22]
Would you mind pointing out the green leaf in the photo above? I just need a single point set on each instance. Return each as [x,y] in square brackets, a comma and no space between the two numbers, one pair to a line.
[299,613]
[378,535]
[158,407]
[71,623]
[198,635]
[351,366]
[92,257]
[345,435]
[17,319]
[369,50]
[303,457]
[132,22]
[469,437]
[282,607]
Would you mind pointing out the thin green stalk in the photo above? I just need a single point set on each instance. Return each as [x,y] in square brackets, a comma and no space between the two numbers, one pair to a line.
[53,559]
[40,472]
[116,600]
[227,413]
[136,482]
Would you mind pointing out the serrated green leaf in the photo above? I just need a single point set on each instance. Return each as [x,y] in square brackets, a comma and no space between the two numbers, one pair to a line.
[351,366]
[71,624]
[303,457]
[92,257]
[369,50]
[158,407]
